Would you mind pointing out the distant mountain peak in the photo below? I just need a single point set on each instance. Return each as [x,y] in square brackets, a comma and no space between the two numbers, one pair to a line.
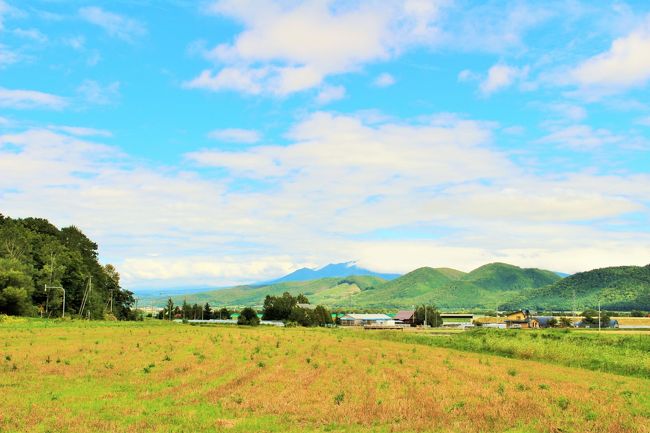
[338,270]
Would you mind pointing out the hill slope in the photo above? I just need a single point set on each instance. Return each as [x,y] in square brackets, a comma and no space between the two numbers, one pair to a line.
[327,291]
[502,276]
[485,287]
[617,288]
[410,289]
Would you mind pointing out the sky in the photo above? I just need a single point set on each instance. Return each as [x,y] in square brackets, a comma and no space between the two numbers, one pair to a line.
[211,143]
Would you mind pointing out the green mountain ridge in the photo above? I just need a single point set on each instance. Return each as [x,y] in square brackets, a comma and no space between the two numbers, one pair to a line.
[492,286]
[486,287]
[616,288]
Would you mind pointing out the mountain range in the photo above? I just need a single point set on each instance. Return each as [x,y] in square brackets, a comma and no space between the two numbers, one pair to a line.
[492,286]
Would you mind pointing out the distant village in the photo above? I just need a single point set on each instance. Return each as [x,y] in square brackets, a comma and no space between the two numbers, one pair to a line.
[405,319]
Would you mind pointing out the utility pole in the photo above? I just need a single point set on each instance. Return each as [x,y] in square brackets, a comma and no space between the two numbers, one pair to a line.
[86,296]
[599,314]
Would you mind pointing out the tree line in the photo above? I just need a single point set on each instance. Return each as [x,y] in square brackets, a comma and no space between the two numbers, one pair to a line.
[293,310]
[186,311]
[39,263]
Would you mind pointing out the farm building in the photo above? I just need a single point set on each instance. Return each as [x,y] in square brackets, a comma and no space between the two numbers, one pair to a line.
[367,319]
[457,320]
[521,319]
[407,317]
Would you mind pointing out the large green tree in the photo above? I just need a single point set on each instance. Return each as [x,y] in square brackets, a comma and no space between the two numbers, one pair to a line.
[35,254]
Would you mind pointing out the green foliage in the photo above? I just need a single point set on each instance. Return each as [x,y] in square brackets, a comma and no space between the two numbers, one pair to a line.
[590,317]
[616,288]
[224,314]
[248,316]
[16,288]
[432,316]
[34,253]
[319,316]
[280,307]
[286,308]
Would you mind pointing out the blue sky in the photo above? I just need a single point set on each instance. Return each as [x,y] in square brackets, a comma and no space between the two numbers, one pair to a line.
[218,142]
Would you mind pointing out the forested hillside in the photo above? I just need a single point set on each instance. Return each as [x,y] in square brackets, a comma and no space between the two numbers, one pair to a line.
[484,287]
[616,288]
[35,253]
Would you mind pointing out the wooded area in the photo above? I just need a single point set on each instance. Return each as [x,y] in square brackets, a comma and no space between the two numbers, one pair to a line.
[41,264]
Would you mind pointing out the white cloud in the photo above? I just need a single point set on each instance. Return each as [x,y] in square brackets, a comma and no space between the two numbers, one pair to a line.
[81,131]
[30,99]
[235,135]
[5,9]
[329,94]
[32,34]
[586,138]
[645,121]
[626,64]
[115,25]
[325,142]
[501,76]
[291,47]
[76,42]
[98,94]
[239,79]
[493,27]
[384,80]
[7,56]
[338,181]
[169,271]
[467,75]
[570,112]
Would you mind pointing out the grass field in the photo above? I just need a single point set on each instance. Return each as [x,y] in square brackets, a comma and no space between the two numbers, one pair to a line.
[155,376]
[611,351]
